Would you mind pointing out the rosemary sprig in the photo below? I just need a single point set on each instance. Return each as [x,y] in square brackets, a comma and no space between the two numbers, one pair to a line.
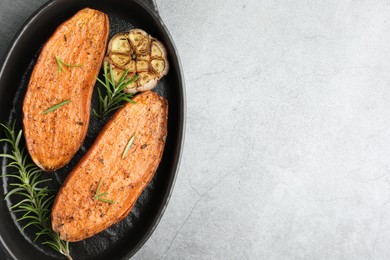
[56,106]
[35,204]
[98,196]
[61,64]
[131,141]
[115,95]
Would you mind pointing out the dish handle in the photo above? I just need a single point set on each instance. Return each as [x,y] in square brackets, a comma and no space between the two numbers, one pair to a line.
[152,6]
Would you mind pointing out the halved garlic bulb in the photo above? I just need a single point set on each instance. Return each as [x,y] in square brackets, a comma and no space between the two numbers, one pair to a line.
[141,54]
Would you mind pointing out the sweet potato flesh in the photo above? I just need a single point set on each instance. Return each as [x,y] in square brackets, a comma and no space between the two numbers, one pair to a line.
[53,138]
[76,213]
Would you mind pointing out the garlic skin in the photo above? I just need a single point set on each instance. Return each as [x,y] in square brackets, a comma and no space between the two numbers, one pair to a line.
[139,53]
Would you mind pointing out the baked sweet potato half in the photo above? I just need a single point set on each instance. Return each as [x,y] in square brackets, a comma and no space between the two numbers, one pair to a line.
[105,184]
[56,107]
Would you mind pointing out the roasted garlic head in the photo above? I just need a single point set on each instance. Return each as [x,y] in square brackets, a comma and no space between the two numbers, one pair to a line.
[139,53]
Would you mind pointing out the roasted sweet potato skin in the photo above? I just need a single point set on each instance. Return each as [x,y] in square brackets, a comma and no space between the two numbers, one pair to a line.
[53,138]
[76,214]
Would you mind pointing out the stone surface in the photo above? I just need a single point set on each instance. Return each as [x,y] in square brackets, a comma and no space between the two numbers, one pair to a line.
[286,153]
[288,117]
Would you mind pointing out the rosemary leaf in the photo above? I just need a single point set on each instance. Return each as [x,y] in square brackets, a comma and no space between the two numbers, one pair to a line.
[98,196]
[107,88]
[35,205]
[51,109]
[102,194]
[112,76]
[114,95]
[61,64]
[131,141]
[107,201]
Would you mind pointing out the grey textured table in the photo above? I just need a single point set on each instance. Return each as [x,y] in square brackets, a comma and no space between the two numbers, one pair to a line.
[287,142]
